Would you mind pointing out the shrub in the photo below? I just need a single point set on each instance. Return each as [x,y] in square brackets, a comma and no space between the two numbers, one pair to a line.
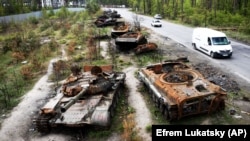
[45,26]
[197,19]
[26,72]
[64,32]
[33,20]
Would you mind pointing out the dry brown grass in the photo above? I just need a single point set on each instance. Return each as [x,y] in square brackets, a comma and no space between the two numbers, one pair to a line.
[129,130]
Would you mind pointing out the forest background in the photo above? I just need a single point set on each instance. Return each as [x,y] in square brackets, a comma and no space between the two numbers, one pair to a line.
[232,15]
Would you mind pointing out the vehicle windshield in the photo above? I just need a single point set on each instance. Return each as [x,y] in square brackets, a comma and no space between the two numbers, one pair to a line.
[220,41]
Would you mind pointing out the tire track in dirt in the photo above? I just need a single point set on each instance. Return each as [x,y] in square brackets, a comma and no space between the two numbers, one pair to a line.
[135,99]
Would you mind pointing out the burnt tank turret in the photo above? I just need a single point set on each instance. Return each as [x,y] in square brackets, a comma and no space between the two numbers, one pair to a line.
[180,91]
[88,96]
[130,40]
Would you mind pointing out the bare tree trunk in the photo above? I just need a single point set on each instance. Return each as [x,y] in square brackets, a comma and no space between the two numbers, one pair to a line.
[215,8]
[175,8]
[193,3]
[209,4]
[182,10]
[44,4]
[234,6]
[144,6]
[245,7]
[51,2]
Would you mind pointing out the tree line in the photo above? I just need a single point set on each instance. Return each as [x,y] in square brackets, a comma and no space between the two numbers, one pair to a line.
[9,7]
[219,13]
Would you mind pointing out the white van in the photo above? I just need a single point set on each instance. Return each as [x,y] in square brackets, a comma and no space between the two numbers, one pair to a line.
[211,42]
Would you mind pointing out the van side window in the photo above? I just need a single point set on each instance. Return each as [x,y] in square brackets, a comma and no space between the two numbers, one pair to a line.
[209,41]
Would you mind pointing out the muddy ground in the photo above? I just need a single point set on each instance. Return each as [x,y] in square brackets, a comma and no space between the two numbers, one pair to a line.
[18,124]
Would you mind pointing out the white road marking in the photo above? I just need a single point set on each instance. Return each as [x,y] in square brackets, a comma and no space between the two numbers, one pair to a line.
[243,77]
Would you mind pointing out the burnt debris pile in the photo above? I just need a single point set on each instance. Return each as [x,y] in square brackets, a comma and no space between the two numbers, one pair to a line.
[215,76]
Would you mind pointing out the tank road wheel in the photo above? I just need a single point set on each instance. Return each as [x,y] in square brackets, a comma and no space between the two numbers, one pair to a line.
[157,103]
[172,115]
[166,113]
[112,108]
[162,108]
[150,92]
[42,124]
[118,94]
[112,111]
[114,101]
[155,100]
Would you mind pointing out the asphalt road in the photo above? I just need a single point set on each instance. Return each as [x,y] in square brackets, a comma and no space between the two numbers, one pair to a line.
[239,63]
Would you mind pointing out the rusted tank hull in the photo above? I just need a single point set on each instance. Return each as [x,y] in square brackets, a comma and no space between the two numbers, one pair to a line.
[179,91]
[116,33]
[119,30]
[130,40]
[145,48]
[105,22]
[93,101]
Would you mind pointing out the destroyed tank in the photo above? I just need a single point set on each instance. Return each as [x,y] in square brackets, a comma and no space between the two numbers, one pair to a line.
[130,40]
[120,29]
[145,48]
[87,97]
[179,91]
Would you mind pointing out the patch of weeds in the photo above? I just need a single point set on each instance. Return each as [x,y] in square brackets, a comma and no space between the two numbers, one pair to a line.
[129,131]
[149,128]
[64,32]
[33,20]
[222,117]
[128,63]
[79,57]
[147,58]
[131,110]
[44,26]
[100,62]
[99,134]
[157,117]
[121,61]
[63,41]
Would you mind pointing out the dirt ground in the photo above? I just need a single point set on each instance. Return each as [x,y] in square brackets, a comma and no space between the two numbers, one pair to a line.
[18,124]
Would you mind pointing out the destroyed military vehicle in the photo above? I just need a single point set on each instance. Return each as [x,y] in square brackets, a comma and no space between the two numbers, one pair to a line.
[180,91]
[145,48]
[103,22]
[130,40]
[87,97]
[120,29]
[112,13]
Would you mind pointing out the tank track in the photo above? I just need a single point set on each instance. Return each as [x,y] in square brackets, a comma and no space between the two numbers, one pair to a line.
[41,123]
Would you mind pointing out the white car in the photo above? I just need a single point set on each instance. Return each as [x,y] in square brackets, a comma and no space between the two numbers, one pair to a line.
[156,23]
[157,16]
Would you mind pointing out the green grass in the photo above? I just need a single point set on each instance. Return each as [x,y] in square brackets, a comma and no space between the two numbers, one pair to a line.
[239,36]
[147,58]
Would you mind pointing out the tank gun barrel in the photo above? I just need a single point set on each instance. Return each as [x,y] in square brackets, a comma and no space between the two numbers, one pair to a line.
[73,99]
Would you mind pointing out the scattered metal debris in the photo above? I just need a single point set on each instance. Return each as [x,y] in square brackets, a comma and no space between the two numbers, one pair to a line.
[145,48]
[218,78]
